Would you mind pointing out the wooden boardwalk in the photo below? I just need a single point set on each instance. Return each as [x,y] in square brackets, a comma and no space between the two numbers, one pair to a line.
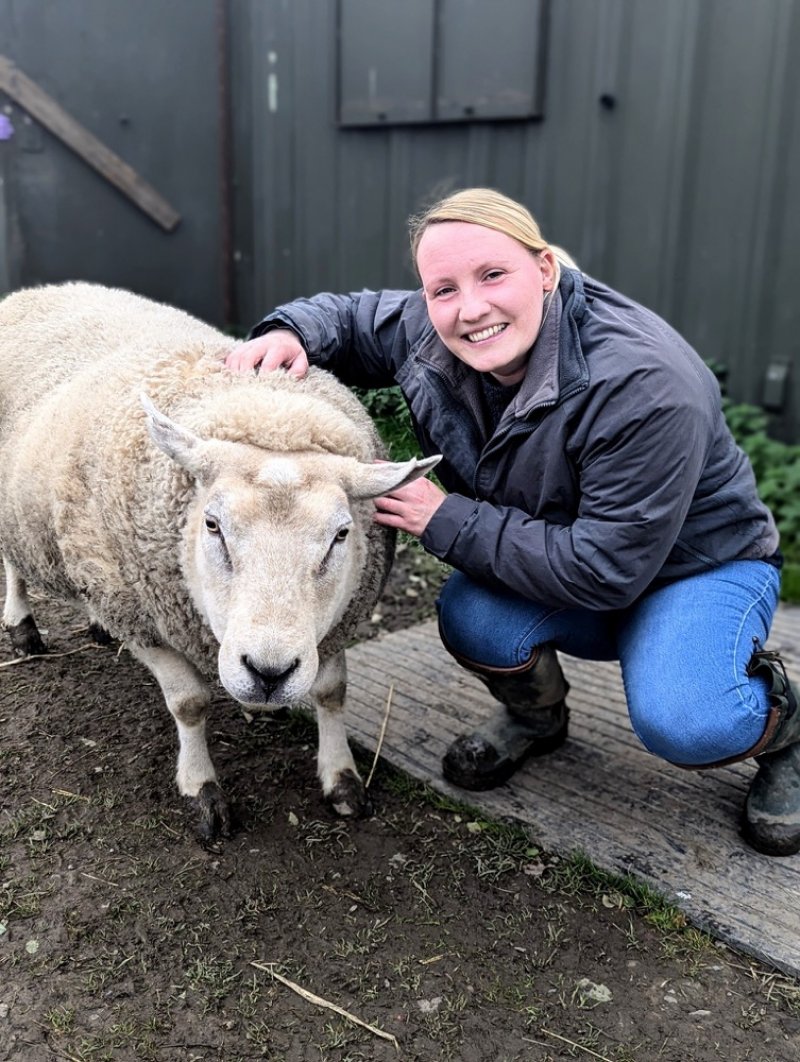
[601,793]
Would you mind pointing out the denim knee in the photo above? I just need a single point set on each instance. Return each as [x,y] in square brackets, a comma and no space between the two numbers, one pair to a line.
[487,627]
[685,650]
[692,735]
[497,628]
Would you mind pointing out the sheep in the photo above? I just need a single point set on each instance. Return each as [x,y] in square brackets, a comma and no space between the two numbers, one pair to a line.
[220,525]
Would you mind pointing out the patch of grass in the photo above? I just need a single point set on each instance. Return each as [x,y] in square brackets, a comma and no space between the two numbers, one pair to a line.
[103,968]
[339,1034]
[443,1022]
[415,793]
[249,1000]
[89,1049]
[124,1038]
[496,849]
[363,941]
[326,837]
[578,875]
[22,898]
[60,1019]
[775,986]
[41,824]
[492,848]
[212,979]
[260,901]
[34,816]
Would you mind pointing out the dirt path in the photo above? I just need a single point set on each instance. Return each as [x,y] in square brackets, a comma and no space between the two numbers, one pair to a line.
[121,938]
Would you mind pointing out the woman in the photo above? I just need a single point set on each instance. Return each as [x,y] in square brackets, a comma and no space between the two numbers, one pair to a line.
[594,500]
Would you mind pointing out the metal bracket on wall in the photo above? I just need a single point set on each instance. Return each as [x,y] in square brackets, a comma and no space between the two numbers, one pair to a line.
[52,115]
[773,395]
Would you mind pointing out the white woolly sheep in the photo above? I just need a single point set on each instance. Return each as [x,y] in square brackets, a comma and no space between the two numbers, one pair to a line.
[240,544]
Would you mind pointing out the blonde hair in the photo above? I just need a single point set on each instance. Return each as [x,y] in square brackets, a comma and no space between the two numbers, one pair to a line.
[480,206]
[492,210]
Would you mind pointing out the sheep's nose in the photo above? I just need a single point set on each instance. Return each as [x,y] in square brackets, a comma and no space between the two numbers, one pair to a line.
[268,679]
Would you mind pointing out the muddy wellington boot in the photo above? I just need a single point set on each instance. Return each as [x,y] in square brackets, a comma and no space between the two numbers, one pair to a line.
[533,724]
[772,810]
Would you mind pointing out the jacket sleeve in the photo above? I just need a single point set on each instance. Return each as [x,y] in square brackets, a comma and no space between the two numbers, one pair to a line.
[636,487]
[362,338]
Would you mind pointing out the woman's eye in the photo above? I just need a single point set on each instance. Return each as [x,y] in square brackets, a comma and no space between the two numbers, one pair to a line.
[212,525]
[494,274]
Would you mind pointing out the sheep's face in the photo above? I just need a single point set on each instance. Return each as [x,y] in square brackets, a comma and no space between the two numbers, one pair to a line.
[274,551]
[273,564]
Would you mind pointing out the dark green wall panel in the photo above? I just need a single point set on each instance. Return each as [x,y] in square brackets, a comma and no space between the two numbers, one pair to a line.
[143,78]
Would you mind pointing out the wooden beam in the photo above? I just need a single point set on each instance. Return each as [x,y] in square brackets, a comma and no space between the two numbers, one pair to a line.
[601,793]
[5,226]
[52,115]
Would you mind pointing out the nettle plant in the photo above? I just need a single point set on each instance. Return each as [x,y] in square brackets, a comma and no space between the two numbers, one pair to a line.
[777,468]
[388,409]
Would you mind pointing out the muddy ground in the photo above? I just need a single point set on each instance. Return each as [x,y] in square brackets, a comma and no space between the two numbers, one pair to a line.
[451,938]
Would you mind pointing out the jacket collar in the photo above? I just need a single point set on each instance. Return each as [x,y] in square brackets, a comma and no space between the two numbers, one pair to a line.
[540,386]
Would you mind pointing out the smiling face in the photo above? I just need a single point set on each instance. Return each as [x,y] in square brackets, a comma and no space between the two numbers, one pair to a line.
[484,292]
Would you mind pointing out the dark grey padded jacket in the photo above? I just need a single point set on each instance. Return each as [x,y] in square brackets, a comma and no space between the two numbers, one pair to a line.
[611,471]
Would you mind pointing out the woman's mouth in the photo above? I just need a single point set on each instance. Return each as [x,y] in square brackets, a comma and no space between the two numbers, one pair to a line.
[485,333]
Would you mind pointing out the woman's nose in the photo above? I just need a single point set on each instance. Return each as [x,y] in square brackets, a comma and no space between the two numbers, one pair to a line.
[472,307]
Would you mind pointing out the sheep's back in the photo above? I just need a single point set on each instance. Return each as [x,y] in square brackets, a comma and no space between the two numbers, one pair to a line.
[87,351]
[51,334]
[80,471]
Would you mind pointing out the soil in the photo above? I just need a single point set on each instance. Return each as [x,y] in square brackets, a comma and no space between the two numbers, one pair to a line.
[123,938]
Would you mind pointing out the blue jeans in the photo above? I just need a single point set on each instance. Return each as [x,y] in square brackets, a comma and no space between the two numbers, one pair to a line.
[683,650]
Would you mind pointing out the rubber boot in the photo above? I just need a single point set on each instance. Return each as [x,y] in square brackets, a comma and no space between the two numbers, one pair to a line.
[534,723]
[772,810]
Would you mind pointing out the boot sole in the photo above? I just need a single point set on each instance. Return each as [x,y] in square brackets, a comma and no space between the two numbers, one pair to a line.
[778,842]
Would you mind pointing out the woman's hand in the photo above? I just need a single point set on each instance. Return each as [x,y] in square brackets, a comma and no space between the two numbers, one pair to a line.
[279,349]
[409,508]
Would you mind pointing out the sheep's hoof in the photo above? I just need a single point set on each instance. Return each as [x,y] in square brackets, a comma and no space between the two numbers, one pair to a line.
[99,634]
[214,813]
[25,638]
[348,798]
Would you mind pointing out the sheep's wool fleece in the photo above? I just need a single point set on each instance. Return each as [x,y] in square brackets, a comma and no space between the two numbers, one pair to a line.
[89,507]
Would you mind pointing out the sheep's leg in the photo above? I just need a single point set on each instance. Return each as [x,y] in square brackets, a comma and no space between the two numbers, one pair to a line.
[187,698]
[97,631]
[18,617]
[341,784]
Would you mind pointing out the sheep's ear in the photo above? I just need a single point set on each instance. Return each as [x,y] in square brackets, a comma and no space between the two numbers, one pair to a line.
[370,481]
[176,442]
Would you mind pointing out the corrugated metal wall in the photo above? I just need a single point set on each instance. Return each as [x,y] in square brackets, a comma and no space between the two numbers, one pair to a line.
[664,151]
[665,161]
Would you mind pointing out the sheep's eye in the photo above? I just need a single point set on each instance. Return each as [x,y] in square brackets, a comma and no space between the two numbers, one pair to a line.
[212,525]
[340,536]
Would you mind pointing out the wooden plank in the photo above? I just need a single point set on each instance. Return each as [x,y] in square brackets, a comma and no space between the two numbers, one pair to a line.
[602,793]
[94,152]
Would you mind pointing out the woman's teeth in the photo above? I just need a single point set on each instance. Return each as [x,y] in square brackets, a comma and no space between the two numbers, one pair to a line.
[485,333]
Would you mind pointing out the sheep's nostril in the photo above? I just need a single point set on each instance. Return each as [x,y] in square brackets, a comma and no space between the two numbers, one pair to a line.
[270,678]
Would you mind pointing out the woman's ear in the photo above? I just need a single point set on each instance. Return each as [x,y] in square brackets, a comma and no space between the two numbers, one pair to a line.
[547,261]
